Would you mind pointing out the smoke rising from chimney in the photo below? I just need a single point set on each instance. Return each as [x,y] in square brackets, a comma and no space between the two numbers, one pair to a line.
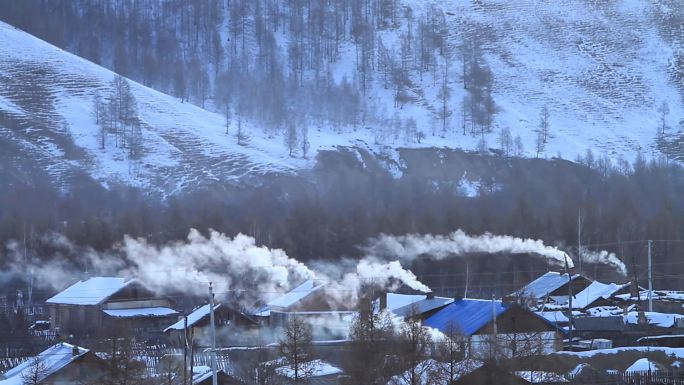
[238,267]
[604,257]
[409,247]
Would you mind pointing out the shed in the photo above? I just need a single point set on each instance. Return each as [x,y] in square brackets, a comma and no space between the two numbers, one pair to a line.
[59,364]
[234,326]
[202,375]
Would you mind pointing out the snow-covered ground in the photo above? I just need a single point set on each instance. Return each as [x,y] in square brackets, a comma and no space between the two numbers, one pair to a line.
[47,98]
[676,352]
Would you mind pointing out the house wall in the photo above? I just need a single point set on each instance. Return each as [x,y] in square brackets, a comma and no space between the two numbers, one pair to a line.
[514,344]
[326,325]
[75,319]
[516,320]
[134,304]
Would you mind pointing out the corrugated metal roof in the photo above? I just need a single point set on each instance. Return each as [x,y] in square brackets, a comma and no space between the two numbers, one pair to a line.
[295,295]
[90,292]
[466,315]
[423,306]
[546,284]
[595,291]
[197,315]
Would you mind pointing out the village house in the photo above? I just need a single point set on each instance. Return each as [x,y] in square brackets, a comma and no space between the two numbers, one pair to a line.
[664,301]
[515,329]
[551,287]
[413,306]
[61,364]
[310,302]
[109,304]
[595,295]
[232,327]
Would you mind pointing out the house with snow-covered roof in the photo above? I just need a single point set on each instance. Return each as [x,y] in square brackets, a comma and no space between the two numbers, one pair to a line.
[100,304]
[597,294]
[414,306]
[202,375]
[232,326]
[310,301]
[549,287]
[476,320]
[664,301]
[60,364]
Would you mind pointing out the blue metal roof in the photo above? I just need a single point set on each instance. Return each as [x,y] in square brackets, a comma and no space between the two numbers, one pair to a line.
[467,315]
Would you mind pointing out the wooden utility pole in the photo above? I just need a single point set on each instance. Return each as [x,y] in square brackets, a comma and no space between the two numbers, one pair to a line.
[570,317]
[579,240]
[212,328]
[650,277]
[185,350]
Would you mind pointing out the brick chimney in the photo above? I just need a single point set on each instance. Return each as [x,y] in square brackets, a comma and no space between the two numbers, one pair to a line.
[75,351]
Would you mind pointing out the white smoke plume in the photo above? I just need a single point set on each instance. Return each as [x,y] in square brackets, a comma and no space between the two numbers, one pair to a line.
[411,246]
[239,268]
[381,273]
[604,257]
[231,264]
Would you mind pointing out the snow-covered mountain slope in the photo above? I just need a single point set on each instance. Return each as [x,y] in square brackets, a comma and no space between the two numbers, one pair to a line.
[601,67]
[47,124]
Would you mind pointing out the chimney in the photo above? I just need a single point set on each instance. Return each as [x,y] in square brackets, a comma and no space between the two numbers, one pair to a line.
[383,301]
[75,351]
[633,290]
[642,320]
[430,295]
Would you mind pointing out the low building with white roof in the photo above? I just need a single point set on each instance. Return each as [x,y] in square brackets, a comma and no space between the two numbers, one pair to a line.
[98,304]
[60,364]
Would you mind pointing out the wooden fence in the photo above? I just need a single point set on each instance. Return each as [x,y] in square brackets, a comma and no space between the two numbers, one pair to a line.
[632,378]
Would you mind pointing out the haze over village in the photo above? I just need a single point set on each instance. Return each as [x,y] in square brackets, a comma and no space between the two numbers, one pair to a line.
[341,192]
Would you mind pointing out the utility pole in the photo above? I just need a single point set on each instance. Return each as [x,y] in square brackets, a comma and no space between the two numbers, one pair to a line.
[185,350]
[492,347]
[212,328]
[467,277]
[650,277]
[570,317]
[579,240]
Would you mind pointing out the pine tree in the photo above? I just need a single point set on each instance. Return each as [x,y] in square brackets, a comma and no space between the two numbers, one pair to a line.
[296,348]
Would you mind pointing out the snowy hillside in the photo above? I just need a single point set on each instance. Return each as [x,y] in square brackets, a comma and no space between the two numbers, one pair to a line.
[601,68]
[46,117]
